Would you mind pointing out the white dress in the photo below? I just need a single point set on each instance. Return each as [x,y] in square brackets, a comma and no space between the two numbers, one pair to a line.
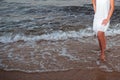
[102,10]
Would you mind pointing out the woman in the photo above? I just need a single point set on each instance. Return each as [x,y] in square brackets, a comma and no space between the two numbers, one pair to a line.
[103,11]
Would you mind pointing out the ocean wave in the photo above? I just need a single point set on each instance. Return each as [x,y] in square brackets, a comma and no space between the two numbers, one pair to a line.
[57,35]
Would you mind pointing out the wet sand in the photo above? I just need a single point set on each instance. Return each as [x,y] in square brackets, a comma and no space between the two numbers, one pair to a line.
[81,51]
[79,71]
[75,74]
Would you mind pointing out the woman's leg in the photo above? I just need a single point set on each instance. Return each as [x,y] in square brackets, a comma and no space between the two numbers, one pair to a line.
[102,44]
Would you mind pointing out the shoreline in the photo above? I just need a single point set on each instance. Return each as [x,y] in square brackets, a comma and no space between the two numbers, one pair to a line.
[80,54]
[74,74]
[86,58]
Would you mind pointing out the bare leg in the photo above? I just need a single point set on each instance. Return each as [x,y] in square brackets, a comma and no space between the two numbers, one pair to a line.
[102,44]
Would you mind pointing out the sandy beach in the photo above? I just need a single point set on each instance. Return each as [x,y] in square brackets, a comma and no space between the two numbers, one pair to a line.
[53,40]
[91,69]
[76,74]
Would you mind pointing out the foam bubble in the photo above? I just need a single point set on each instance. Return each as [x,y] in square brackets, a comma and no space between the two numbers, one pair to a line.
[10,55]
[56,35]
[114,30]
[64,53]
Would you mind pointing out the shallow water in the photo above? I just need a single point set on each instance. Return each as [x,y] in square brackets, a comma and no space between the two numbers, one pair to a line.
[37,38]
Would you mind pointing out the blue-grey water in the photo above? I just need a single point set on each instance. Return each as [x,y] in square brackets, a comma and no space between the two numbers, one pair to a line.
[36,38]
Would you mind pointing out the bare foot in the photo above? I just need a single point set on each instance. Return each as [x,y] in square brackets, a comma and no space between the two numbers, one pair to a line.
[102,57]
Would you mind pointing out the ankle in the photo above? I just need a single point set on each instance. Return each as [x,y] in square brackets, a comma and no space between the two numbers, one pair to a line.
[102,52]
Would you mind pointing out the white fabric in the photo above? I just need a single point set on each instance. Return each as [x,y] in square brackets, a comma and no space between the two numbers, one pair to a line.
[102,10]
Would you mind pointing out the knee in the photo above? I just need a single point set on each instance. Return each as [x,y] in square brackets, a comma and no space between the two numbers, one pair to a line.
[100,34]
